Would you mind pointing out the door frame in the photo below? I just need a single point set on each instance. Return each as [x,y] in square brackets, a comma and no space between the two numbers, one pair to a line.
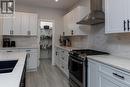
[53,38]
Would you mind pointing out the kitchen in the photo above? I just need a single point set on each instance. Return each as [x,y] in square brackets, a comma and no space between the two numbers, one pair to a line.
[88,44]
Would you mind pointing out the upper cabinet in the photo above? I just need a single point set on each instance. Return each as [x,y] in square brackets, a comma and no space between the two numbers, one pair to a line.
[7,25]
[20,24]
[117,19]
[70,22]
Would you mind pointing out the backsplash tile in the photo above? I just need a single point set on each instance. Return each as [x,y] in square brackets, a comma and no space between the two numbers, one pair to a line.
[22,41]
[79,41]
[116,44]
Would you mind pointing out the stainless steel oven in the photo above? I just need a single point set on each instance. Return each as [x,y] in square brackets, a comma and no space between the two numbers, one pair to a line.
[78,66]
[77,72]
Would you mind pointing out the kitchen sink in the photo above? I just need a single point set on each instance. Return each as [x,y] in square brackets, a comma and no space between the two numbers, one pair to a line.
[7,66]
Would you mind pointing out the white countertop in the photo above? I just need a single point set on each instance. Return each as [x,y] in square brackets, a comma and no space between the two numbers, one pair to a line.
[12,79]
[115,61]
[68,48]
[4,48]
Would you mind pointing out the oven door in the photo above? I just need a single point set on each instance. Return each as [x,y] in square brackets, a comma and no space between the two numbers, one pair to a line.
[76,68]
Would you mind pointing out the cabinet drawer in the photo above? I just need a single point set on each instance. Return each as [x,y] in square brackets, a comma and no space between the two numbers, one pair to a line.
[64,68]
[115,73]
[64,59]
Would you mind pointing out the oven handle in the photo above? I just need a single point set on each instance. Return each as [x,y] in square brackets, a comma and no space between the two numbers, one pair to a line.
[77,61]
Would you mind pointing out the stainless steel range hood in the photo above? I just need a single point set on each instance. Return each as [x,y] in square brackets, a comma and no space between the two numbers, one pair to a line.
[96,16]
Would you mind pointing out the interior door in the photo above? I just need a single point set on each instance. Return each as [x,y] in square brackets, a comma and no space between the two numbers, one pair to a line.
[116,16]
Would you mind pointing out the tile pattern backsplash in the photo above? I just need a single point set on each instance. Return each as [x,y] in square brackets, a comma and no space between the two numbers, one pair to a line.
[116,44]
[22,41]
[79,42]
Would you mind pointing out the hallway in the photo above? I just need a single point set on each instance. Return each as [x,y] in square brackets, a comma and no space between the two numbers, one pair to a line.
[46,76]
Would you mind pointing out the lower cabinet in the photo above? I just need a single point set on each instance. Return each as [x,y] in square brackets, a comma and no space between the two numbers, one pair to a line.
[32,57]
[106,81]
[61,56]
[93,74]
[102,75]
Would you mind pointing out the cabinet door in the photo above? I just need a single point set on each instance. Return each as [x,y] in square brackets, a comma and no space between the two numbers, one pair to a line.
[56,55]
[33,24]
[106,81]
[115,16]
[93,74]
[7,25]
[66,25]
[1,24]
[24,23]
[17,24]
[33,61]
[128,15]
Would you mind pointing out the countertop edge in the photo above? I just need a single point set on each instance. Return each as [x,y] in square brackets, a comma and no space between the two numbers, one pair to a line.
[112,65]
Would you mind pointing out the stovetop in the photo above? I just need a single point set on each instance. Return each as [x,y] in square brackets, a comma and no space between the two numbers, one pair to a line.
[83,53]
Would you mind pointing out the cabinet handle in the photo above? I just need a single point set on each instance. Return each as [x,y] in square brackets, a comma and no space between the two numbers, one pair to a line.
[56,53]
[128,24]
[10,32]
[9,51]
[77,61]
[124,25]
[28,50]
[29,32]
[118,76]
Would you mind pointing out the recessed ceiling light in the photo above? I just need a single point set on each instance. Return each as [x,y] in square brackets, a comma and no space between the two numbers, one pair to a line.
[56,0]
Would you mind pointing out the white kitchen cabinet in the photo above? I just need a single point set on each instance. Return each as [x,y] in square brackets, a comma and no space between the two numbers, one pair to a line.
[117,16]
[62,57]
[32,59]
[1,24]
[106,81]
[29,24]
[7,24]
[103,75]
[20,24]
[16,24]
[67,30]
[33,24]
[71,19]
[57,57]
[25,24]
[93,74]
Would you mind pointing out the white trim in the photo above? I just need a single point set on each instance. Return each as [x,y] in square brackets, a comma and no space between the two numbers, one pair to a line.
[53,39]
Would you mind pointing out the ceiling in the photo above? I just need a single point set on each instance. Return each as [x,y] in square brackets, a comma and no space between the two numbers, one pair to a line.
[61,4]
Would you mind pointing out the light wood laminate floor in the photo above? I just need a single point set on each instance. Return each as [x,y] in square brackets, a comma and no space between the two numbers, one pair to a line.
[46,76]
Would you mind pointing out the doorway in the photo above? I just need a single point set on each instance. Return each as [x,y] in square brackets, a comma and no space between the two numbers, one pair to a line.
[46,39]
